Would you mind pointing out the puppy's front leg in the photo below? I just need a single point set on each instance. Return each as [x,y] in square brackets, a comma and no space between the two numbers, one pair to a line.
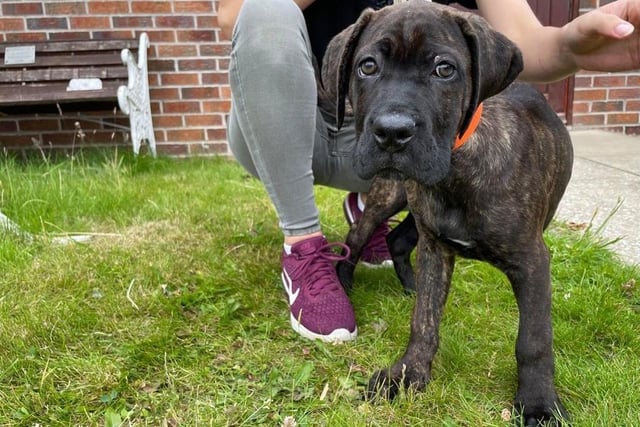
[433,279]
[385,199]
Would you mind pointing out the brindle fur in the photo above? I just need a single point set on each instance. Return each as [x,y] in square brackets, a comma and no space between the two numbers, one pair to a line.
[489,200]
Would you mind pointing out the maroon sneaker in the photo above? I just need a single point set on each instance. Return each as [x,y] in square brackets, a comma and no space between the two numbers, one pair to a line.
[375,253]
[318,304]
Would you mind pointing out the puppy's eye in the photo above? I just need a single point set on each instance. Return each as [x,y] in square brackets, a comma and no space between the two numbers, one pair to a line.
[367,67]
[444,70]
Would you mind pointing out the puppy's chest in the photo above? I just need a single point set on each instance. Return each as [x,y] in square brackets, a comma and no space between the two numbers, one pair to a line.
[443,217]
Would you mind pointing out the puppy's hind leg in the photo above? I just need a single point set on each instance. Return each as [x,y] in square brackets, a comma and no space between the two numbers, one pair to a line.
[401,242]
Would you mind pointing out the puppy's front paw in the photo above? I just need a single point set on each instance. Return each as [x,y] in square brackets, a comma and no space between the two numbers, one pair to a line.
[387,383]
[550,413]
[345,271]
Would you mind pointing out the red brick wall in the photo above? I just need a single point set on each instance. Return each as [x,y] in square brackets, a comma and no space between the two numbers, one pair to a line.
[187,65]
[608,101]
[188,78]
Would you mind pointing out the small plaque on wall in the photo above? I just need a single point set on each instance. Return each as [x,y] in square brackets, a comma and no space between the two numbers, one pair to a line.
[16,55]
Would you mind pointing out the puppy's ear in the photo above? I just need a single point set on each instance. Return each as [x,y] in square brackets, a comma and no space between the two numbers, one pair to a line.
[338,62]
[495,61]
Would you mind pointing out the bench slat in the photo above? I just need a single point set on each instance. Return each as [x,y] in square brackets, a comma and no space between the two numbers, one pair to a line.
[62,74]
[54,93]
[109,58]
[78,60]
[76,45]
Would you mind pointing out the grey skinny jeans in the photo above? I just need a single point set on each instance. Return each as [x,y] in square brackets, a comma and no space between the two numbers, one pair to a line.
[275,130]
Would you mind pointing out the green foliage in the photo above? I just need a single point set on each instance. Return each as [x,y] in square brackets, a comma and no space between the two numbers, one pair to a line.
[173,313]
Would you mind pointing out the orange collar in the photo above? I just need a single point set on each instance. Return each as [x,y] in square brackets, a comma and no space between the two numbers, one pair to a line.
[473,125]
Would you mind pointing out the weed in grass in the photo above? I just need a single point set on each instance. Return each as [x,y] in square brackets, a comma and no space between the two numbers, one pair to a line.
[173,313]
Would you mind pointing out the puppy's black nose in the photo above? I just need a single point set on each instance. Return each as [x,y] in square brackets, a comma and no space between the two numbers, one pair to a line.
[393,131]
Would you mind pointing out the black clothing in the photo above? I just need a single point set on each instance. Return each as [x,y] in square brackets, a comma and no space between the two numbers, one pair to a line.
[326,18]
[469,4]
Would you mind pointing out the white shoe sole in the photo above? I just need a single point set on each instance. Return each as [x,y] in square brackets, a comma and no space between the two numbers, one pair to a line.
[337,336]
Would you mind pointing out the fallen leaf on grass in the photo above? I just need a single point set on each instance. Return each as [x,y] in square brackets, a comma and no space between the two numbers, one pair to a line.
[577,226]
[629,287]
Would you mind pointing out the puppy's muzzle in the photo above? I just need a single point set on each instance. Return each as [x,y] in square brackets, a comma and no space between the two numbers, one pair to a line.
[392,132]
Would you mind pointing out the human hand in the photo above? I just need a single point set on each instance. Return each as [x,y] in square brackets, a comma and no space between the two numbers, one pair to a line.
[605,39]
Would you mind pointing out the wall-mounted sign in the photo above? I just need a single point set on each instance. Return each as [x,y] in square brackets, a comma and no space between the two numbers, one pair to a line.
[15,55]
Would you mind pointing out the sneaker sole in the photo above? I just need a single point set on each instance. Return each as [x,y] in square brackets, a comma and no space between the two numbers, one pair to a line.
[337,336]
[384,264]
[351,218]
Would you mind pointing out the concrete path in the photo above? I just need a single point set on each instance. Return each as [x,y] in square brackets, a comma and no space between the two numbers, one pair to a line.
[605,189]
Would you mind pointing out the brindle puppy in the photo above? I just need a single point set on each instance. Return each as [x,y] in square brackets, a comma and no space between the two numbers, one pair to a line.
[415,74]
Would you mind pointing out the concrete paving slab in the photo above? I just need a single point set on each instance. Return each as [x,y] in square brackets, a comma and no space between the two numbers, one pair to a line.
[605,189]
[609,148]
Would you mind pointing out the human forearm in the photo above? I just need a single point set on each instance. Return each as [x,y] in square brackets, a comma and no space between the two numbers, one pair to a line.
[601,40]
[545,57]
[228,11]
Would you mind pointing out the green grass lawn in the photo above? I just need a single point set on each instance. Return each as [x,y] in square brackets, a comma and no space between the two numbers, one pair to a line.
[173,314]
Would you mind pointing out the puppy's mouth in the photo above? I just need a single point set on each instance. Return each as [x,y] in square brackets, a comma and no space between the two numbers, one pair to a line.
[370,161]
[392,174]
[415,161]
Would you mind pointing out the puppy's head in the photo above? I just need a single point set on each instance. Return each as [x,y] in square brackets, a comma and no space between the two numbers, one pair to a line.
[415,74]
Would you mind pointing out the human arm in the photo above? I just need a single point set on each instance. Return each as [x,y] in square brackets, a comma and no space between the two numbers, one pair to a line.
[228,11]
[600,40]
